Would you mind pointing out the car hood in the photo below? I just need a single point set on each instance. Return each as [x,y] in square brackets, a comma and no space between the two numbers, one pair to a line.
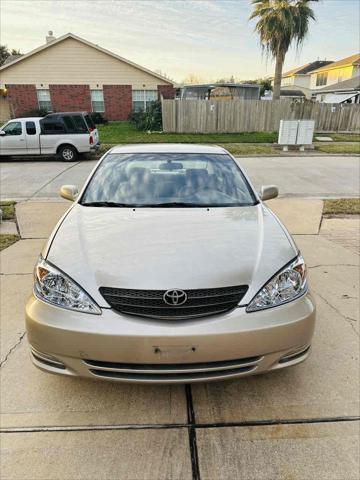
[164,248]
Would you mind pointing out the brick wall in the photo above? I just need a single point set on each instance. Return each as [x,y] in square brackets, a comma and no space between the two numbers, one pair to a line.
[118,101]
[70,98]
[166,91]
[22,98]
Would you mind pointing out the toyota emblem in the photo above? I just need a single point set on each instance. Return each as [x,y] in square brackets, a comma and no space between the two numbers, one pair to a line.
[175,297]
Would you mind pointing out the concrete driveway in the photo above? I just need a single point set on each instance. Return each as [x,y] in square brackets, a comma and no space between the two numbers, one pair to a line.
[300,423]
[319,177]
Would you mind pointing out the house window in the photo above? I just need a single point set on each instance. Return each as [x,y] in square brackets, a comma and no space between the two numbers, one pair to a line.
[44,100]
[97,101]
[340,75]
[321,79]
[141,98]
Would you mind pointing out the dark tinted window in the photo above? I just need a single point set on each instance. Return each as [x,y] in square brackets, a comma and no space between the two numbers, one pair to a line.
[80,124]
[30,128]
[69,124]
[170,179]
[52,125]
[89,122]
[13,128]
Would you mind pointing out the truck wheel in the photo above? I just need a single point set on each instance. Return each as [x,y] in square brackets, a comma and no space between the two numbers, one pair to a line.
[67,153]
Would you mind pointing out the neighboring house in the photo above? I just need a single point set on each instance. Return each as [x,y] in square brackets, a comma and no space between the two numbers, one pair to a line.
[347,91]
[71,74]
[334,73]
[299,78]
[220,91]
[295,95]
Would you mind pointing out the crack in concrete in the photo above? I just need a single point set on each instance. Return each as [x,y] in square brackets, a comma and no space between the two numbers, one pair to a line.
[51,180]
[12,349]
[194,425]
[7,274]
[334,265]
[349,320]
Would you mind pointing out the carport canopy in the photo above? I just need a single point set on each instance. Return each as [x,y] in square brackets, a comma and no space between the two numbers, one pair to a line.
[339,97]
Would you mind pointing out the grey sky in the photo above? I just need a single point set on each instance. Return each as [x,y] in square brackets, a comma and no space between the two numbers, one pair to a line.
[209,38]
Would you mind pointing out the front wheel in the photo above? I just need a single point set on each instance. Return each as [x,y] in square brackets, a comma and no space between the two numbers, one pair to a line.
[67,153]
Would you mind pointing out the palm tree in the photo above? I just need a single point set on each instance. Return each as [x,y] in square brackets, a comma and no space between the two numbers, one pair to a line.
[279,23]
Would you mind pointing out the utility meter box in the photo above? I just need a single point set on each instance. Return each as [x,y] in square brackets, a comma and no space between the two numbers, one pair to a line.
[288,132]
[296,132]
[305,132]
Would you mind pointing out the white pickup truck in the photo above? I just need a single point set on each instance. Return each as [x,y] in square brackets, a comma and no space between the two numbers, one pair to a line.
[65,135]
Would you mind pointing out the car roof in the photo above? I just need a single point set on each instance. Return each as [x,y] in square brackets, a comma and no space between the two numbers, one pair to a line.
[168,148]
[56,114]
[25,118]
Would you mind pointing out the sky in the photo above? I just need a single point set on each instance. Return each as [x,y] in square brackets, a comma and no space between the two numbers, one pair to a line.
[209,39]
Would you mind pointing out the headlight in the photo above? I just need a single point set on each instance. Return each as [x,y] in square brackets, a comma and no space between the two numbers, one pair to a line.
[53,286]
[285,286]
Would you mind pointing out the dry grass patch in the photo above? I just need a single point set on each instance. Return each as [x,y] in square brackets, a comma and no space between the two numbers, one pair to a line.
[342,206]
[6,240]
[8,209]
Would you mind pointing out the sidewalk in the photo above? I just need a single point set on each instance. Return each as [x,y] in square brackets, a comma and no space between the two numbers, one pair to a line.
[295,423]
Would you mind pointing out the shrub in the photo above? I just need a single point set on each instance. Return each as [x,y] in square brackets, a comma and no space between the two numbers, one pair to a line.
[35,112]
[98,118]
[148,120]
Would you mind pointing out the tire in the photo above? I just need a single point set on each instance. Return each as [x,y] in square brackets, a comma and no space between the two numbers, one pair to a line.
[67,153]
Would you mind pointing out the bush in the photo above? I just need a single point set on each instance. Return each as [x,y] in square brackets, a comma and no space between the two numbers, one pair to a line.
[98,118]
[148,120]
[35,112]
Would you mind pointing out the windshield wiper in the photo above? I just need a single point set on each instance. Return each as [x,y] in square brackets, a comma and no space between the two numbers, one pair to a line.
[107,204]
[175,204]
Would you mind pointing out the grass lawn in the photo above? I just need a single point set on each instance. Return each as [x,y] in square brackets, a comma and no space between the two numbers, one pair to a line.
[342,137]
[249,149]
[8,209]
[6,240]
[124,132]
[339,148]
[342,206]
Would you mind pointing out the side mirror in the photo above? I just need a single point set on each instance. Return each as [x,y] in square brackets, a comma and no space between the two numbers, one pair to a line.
[2,133]
[69,192]
[268,192]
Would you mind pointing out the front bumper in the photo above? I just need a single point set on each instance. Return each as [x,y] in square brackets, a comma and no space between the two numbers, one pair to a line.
[132,349]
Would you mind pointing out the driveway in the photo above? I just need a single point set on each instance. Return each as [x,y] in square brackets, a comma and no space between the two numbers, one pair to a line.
[298,423]
[317,177]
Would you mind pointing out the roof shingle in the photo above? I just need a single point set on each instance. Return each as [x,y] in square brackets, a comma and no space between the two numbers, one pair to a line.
[352,60]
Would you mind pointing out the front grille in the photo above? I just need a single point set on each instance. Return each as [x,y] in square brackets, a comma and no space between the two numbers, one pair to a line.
[175,377]
[150,303]
[173,372]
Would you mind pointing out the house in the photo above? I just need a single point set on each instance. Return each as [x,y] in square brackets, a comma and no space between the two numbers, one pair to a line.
[299,78]
[334,73]
[220,91]
[294,95]
[71,74]
[347,91]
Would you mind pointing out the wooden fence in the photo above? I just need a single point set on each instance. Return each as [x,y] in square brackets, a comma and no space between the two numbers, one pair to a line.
[202,116]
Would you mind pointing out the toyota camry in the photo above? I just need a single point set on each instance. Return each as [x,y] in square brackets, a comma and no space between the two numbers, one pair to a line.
[168,267]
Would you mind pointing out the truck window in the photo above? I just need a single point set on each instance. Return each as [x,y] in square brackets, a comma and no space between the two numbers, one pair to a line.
[13,128]
[30,128]
[69,124]
[80,124]
[52,126]
[89,122]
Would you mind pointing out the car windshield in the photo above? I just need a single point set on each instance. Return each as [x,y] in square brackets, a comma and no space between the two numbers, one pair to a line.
[168,180]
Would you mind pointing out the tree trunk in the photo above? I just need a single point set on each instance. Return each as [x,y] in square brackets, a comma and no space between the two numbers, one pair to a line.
[278,74]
